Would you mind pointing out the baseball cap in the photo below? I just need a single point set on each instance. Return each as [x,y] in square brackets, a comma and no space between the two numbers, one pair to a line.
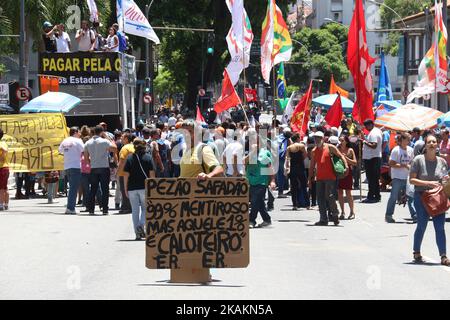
[333,140]
[318,134]
[47,24]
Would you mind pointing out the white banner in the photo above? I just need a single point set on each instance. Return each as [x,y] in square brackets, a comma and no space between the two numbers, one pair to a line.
[239,39]
[4,93]
[93,10]
[131,20]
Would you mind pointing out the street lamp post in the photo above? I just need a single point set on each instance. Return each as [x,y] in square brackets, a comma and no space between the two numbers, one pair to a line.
[23,74]
[149,66]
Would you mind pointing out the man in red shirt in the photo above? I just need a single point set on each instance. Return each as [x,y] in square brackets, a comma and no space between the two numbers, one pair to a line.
[325,178]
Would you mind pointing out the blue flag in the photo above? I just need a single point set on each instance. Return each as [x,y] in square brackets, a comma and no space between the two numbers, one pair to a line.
[384,86]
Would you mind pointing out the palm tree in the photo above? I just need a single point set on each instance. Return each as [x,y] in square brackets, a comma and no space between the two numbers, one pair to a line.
[36,12]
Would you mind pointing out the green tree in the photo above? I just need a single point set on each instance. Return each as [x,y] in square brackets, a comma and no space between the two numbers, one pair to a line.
[165,83]
[321,50]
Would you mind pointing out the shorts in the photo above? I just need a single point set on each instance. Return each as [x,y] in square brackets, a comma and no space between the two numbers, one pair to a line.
[4,175]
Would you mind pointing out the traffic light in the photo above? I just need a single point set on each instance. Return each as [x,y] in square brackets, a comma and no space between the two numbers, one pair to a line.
[147,86]
[210,43]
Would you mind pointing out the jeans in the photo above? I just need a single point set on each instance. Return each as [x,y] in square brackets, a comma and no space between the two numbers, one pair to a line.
[373,170]
[126,206]
[355,173]
[312,198]
[298,189]
[398,186]
[257,202]
[281,179]
[86,188]
[137,200]
[326,196]
[99,175]
[51,191]
[118,195]
[422,222]
[270,199]
[175,171]
[74,177]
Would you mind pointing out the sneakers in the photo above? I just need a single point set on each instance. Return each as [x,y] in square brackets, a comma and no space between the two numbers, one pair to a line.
[140,232]
[335,220]
[389,219]
[70,212]
[264,224]
[252,224]
[321,223]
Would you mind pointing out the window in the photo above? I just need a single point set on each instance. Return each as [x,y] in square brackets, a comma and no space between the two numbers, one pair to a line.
[377,71]
[378,49]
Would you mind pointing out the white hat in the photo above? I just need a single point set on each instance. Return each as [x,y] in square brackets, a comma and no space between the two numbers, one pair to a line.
[287,129]
[318,134]
[333,140]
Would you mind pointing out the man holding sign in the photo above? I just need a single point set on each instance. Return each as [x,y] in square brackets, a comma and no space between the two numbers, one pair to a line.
[200,161]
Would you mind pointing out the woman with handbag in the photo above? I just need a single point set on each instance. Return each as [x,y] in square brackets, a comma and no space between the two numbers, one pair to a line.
[427,172]
[137,168]
[346,183]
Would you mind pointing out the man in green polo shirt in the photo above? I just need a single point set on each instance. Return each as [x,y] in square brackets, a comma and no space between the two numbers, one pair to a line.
[259,173]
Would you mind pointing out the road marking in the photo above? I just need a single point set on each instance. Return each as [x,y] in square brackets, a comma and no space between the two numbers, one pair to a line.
[367,223]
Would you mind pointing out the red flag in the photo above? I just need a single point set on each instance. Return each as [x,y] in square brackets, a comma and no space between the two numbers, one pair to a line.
[359,62]
[229,97]
[199,116]
[300,116]
[250,95]
[334,115]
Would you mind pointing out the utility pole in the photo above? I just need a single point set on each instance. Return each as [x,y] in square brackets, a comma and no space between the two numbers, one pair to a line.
[149,67]
[23,74]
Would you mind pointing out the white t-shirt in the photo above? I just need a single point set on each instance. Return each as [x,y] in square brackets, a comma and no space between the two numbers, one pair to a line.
[374,135]
[85,42]
[231,150]
[111,41]
[71,148]
[62,43]
[403,157]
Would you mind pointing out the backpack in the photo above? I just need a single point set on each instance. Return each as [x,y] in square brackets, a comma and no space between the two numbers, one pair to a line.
[163,151]
[122,42]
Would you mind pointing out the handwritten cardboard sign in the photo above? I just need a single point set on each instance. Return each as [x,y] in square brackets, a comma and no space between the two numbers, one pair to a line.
[33,141]
[197,224]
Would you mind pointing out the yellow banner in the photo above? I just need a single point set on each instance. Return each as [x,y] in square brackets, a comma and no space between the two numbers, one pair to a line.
[33,141]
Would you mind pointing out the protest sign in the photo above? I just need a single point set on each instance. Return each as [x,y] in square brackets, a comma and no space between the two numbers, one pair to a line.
[197,224]
[33,141]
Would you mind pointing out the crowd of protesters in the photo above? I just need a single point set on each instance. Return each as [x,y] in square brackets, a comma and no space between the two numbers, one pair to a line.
[270,157]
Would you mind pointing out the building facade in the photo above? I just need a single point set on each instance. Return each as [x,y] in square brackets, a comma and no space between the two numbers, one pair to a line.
[413,47]
[341,11]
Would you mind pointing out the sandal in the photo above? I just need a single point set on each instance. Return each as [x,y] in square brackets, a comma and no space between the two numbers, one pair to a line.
[445,261]
[418,258]
[351,216]
[342,217]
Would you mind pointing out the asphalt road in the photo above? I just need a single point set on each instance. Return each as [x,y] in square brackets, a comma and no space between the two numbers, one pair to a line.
[47,255]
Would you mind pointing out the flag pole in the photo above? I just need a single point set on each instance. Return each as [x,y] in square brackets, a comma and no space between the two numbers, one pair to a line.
[274,97]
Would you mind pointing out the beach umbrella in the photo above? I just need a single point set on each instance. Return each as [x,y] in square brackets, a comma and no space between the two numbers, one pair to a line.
[327,100]
[409,117]
[444,120]
[389,104]
[52,102]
